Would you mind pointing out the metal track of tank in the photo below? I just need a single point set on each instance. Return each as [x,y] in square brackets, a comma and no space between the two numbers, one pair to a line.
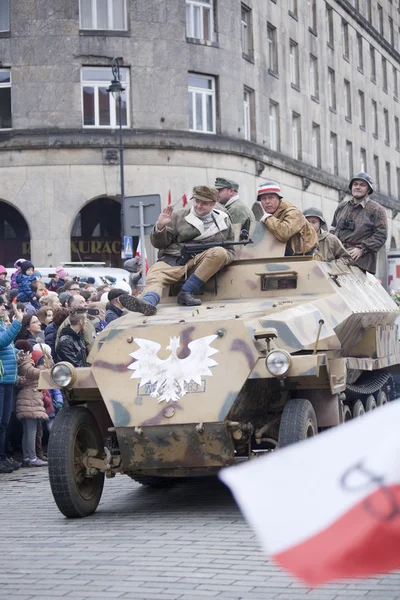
[367,383]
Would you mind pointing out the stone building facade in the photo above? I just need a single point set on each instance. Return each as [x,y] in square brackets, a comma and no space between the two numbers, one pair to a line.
[301,91]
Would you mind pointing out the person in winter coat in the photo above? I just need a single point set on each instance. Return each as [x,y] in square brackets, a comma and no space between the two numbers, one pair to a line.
[8,377]
[31,329]
[329,246]
[17,266]
[228,195]
[29,408]
[70,346]
[285,221]
[59,280]
[24,280]
[114,308]
[50,333]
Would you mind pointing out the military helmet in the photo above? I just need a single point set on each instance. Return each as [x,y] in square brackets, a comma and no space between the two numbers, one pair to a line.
[365,177]
[315,212]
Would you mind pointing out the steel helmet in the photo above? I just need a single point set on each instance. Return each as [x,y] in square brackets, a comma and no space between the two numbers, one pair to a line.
[365,177]
[315,212]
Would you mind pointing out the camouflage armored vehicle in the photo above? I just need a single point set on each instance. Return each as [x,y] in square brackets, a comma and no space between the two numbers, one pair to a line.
[281,348]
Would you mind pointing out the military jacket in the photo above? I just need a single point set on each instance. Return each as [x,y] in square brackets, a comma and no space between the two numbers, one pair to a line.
[288,224]
[239,213]
[331,248]
[359,226]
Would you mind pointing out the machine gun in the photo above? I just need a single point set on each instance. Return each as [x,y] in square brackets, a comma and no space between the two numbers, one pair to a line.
[188,251]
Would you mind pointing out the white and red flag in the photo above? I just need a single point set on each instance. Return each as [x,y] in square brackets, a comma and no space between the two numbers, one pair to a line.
[139,254]
[329,507]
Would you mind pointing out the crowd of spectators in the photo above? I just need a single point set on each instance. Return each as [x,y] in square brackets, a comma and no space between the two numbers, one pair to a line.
[42,324]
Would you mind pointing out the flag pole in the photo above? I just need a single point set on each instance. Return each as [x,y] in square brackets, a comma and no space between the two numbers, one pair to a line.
[142,243]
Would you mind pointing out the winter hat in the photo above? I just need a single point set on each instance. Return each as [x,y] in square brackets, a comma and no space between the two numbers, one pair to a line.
[61,272]
[23,345]
[17,264]
[63,297]
[3,270]
[38,274]
[36,356]
[269,187]
[26,265]
[115,293]
[45,347]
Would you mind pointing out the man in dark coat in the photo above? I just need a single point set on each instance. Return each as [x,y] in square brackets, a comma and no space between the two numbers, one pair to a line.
[361,224]
[114,308]
[70,346]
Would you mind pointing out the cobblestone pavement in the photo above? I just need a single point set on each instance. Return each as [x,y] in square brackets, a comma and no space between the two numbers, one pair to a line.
[187,542]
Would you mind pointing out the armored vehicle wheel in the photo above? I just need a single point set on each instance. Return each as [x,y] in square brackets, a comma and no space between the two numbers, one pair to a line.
[155,482]
[347,413]
[358,409]
[74,432]
[298,422]
[370,403]
[381,398]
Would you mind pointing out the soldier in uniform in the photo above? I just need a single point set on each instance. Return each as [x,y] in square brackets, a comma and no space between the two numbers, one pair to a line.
[285,221]
[201,223]
[229,198]
[361,224]
[329,246]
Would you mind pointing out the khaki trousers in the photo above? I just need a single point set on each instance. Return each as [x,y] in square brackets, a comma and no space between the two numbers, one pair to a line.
[204,265]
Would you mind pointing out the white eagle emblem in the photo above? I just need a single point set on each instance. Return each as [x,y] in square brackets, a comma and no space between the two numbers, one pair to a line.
[171,375]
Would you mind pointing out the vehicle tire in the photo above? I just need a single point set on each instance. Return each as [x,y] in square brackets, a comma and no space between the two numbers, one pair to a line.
[154,482]
[381,398]
[347,415]
[298,422]
[74,431]
[358,409]
[370,403]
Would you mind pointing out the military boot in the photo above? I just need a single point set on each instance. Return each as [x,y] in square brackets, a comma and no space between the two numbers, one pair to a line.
[187,299]
[135,304]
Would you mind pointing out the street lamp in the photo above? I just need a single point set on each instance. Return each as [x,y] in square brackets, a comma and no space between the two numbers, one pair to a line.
[117,90]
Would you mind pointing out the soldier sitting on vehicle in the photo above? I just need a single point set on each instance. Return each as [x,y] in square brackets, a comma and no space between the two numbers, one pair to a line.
[285,221]
[229,198]
[329,246]
[201,223]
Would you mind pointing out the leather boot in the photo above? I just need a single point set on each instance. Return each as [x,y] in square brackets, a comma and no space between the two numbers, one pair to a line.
[187,299]
[134,304]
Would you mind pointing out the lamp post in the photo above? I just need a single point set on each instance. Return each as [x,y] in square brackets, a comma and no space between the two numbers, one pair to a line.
[117,90]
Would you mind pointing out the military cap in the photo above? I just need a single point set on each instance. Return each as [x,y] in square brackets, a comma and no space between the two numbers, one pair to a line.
[221,183]
[205,193]
[315,212]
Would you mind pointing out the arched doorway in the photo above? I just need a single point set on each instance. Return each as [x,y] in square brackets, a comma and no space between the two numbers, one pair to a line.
[96,233]
[14,235]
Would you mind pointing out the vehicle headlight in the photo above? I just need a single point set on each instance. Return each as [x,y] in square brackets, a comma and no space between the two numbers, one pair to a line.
[63,374]
[278,362]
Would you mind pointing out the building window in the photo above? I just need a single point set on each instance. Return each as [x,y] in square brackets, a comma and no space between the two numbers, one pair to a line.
[316,145]
[272,49]
[274,135]
[363,159]
[345,40]
[361,98]
[202,104]
[388,179]
[395,83]
[314,79]
[333,153]
[391,31]
[4,15]
[360,52]
[384,75]
[349,159]
[312,15]
[329,25]
[296,136]
[386,121]
[376,172]
[103,14]
[293,8]
[373,63]
[294,64]
[347,99]
[246,31]
[374,118]
[200,20]
[397,132]
[99,106]
[380,19]
[5,100]
[331,89]
[248,114]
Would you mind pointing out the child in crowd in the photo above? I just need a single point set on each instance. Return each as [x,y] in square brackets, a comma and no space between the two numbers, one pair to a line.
[24,280]
[17,265]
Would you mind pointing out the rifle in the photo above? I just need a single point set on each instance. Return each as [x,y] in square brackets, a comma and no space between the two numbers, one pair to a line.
[188,251]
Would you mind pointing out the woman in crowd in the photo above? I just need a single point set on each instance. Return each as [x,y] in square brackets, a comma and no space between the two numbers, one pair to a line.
[45,316]
[31,329]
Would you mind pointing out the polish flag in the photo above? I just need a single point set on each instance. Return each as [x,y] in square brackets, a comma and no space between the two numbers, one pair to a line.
[169,198]
[186,197]
[139,254]
[329,507]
